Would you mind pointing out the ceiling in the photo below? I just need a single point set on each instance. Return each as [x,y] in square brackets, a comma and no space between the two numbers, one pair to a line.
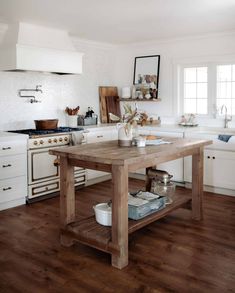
[125,21]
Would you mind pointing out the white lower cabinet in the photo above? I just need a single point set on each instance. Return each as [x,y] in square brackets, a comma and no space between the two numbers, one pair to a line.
[100,136]
[219,167]
[13,170]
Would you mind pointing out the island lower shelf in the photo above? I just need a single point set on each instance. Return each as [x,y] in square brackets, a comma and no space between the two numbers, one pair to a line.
[89,232]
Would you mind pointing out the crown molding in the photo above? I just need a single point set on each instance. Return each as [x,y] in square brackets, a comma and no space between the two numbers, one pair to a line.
[178,39]
[94,44]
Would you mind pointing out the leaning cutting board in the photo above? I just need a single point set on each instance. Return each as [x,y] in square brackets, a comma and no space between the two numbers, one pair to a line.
[112,106]
[106,91]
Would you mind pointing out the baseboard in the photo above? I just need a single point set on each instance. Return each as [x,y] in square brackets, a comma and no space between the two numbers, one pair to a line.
[213,189]
[12,203]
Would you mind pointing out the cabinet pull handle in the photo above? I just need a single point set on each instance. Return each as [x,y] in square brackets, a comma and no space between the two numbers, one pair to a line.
[208,157]
[6,166]
[213,158]
[6,148]
[7,188]
[98,136]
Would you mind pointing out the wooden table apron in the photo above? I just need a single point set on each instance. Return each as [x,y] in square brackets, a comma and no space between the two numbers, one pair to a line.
[107,156]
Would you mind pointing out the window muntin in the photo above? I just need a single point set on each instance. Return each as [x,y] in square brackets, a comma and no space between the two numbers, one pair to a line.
[226,87]
[196,90]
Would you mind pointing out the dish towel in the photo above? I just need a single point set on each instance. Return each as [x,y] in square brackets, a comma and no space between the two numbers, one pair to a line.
[224,137]
[76,137]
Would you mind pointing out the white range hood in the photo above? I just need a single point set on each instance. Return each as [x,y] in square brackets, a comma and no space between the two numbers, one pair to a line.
[37,48]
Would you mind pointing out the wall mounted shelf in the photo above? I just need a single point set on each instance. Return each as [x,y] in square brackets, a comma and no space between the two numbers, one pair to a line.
[139,100]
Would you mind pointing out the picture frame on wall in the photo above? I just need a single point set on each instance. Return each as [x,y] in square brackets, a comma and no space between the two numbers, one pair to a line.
[146,74]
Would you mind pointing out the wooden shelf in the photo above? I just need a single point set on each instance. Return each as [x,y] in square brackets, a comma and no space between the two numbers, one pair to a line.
[88,231]
[139,100]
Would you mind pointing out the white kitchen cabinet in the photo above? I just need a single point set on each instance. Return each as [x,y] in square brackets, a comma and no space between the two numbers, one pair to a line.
[174,167]
[219,169]
[219,163]
[13,170]
[100,135]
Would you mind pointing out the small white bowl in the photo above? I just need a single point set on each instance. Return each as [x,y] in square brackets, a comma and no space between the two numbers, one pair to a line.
[140,141]
[103,214]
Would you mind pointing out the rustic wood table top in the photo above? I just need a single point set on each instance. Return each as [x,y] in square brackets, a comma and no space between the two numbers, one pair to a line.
[110,153]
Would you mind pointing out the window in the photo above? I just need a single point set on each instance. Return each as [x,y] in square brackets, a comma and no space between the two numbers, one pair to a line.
[195,90]
[205,87]
[226,87]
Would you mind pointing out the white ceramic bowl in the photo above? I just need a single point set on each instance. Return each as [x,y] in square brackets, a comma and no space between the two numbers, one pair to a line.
[103,214]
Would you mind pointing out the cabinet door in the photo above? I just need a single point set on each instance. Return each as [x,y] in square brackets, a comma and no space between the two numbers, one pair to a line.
[219,169]
[174,167]
[99,136]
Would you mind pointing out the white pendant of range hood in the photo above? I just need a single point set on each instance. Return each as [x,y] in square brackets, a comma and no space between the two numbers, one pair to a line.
[31,47]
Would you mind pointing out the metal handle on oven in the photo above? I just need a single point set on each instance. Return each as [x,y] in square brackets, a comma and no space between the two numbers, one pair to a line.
[6,166]
[57,162]
[6,148]
[7,188]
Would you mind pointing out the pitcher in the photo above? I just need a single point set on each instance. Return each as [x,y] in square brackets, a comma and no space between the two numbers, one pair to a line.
[124,134]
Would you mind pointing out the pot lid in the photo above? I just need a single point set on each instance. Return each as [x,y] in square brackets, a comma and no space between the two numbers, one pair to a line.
[104,207]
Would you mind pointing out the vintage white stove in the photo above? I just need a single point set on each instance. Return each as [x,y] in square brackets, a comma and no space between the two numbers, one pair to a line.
[43,168]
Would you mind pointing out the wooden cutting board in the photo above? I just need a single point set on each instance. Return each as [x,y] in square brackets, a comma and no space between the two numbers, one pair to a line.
[112,106]
[106,91]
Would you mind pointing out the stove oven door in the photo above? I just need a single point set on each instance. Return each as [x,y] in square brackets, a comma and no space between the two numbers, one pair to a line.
[42,166]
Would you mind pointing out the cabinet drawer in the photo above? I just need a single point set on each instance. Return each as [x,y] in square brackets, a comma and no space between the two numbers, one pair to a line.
[12,166]
[97,136]
[43,189]
[14,188]
[13,147]
[80,180]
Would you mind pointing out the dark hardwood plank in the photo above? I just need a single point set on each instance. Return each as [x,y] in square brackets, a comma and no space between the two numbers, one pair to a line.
[173,254]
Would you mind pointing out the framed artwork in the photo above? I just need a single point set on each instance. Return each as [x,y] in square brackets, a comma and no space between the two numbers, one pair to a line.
[146,73]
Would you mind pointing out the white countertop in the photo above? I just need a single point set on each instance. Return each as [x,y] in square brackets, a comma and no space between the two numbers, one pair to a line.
[170,127]
[4,135]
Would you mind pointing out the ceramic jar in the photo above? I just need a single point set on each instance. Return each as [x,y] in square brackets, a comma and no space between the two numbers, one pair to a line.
[124,134]
[72,120]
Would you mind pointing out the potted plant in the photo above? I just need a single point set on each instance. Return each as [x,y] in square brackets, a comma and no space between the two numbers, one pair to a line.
[128,123]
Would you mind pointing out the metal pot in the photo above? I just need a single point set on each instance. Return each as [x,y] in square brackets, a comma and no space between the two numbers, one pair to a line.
[46,124]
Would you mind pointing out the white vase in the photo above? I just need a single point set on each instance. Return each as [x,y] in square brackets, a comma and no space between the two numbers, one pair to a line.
[124,134]
[72,120]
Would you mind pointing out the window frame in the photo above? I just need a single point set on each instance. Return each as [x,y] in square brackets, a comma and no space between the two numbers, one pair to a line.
[212,111]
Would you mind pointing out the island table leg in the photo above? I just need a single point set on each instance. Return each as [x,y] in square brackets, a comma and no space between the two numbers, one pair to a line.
[67,198]
[120,215]
[197,185]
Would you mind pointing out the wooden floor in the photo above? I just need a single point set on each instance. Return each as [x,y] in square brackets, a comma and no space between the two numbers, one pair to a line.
[174,254]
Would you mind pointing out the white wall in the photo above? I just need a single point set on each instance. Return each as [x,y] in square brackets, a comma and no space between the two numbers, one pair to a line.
[104,65]
[205,48]
[58,91]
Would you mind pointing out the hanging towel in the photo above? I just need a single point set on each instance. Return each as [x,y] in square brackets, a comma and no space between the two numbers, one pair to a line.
[224,137]
[76,137]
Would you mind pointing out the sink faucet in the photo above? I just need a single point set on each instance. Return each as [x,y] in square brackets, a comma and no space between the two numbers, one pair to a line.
[226,119]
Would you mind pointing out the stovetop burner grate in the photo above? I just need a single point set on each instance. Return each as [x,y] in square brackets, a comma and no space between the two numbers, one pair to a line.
[32,132]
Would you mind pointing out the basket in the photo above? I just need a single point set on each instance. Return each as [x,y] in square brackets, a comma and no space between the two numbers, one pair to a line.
[139,212]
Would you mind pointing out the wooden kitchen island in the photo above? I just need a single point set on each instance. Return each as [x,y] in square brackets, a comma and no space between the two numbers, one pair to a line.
[109,157]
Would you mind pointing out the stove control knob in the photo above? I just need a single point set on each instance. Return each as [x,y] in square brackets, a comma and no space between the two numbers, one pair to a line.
[35,142]
[55,140]
[41,142]
[66,139]
[60,139]
[49,140]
